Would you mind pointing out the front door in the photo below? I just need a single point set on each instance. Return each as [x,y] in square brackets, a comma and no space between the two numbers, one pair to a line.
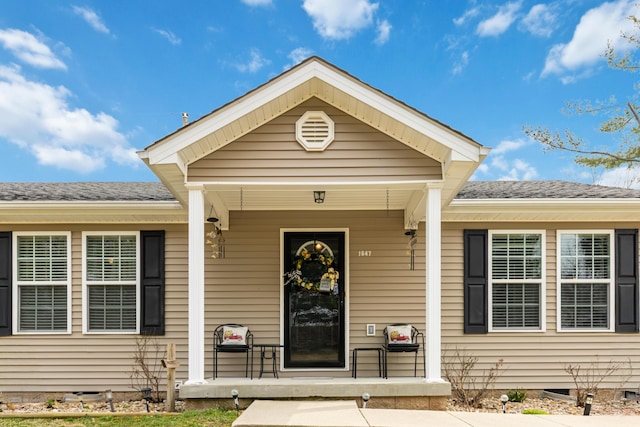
[314,320]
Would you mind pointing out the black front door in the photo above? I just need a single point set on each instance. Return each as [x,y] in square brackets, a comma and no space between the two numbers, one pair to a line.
[314,300]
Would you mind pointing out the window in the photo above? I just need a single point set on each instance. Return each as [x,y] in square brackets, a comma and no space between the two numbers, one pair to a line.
[516,281]
[111,280]
[42,265]
[585,263]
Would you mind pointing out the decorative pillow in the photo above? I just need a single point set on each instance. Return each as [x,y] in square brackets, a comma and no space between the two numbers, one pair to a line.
[399,334]
[234,335]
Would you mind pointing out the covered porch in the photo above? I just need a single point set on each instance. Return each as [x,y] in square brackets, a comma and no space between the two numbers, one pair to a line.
[255,165]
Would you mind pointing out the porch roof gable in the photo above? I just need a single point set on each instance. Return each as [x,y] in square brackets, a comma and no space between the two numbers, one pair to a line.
[459,155]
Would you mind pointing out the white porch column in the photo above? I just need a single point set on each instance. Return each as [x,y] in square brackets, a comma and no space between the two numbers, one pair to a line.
[433,246]
[196,286]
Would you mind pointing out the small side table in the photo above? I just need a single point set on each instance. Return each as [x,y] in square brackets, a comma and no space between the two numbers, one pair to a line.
[355,359]
[272,357]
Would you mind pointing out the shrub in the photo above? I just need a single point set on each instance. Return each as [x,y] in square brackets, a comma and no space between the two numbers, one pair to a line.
[588,379]
[467,386]
[516,395]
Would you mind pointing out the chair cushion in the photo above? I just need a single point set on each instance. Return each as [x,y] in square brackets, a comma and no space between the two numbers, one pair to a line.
[399,334]
[234,335]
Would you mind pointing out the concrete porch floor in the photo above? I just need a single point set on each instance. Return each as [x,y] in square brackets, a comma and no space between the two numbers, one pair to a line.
[390,393]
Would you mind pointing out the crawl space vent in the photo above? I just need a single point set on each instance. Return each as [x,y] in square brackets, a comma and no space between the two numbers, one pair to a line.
[314,130]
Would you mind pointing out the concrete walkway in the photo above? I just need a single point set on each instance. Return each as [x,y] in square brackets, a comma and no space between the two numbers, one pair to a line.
[346,413]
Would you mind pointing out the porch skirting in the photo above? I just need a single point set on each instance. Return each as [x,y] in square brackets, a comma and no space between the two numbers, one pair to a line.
[391,393]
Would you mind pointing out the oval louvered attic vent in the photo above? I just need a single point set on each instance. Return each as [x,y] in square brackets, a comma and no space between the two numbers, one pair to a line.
[314,130]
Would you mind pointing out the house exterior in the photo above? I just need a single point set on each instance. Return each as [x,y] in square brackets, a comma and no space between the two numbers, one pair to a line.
[538,274]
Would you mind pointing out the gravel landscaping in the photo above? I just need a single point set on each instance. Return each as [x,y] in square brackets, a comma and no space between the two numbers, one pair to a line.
[552,406]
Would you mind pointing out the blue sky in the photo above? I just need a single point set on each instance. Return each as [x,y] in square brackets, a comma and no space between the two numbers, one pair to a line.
[84,85]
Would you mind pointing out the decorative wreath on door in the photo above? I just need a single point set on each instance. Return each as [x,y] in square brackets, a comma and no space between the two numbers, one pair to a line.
[313,270]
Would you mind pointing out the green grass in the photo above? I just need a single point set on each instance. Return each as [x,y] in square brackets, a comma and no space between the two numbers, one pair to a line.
[208,418]
[535,412]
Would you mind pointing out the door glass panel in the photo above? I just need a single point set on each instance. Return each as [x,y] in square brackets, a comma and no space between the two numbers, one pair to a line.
[314,300]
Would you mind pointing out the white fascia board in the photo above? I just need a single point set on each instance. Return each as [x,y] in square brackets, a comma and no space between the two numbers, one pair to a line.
[537,207]
[573,202]
[230,113]
[468,150]
[86,205]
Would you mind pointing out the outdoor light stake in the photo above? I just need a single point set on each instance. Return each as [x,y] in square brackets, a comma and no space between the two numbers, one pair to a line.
[109,396]
[234,394]
[365,399]
[587,404]
[146,394]
[504,399]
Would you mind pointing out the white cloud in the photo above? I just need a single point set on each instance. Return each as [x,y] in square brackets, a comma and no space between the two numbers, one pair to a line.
[298,55]
[540,21]
[468,14]
[91,18]
[256,2]
[37,118]
[172,38]
[26,47]
[598,26]
[519,170]
[461,64]
[340,19]
[384,31]
[501,167]
[501,21]
[621,177]
[508,146]
[256,62]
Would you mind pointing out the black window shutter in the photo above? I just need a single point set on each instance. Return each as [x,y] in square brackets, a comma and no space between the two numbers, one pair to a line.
[5,283]
[626,276]
[152,282]
[476,297]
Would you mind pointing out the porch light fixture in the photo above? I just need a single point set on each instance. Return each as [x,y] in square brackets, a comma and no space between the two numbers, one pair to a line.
[109,397]
[411,244]
[318,196]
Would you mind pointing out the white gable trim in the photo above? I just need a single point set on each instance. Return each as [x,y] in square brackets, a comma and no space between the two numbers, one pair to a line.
[164,151]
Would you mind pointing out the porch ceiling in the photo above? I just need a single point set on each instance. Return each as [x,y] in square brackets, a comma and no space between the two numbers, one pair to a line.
[407,196]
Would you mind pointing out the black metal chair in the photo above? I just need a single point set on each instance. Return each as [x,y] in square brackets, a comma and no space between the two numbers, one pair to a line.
[396,341]
[227,338]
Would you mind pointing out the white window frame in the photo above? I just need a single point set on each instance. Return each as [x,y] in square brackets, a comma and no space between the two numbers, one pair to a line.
[15,305]
[610,281]
[86,283]
[541,281]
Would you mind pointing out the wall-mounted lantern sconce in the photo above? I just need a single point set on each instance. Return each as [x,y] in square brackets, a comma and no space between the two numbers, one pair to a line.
[413,239]
[318,196]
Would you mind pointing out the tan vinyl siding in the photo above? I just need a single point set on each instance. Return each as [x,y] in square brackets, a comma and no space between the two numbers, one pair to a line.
[358,153]
[532,360]
[76,362]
